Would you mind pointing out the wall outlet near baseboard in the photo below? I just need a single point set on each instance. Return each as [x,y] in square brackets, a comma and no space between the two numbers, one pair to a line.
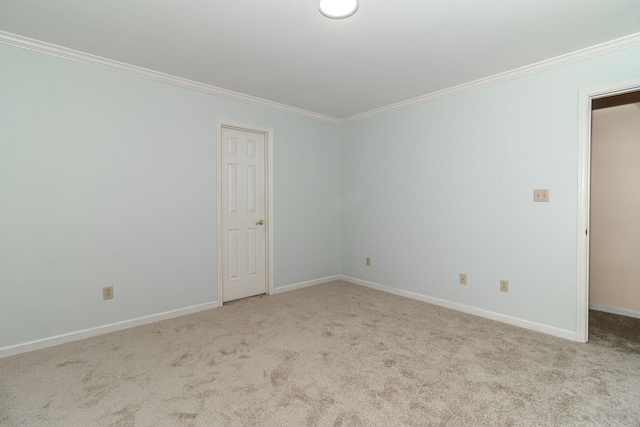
[504,286]
[463,279]
[107,292]
[368,262]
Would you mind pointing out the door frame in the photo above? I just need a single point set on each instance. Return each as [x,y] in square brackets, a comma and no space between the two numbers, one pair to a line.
[584,189]
[268,197]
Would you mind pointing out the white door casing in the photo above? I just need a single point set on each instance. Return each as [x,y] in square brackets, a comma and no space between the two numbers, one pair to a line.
[243,214]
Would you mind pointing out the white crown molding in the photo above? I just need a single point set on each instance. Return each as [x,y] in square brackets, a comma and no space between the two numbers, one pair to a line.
[109,64]
[538,67]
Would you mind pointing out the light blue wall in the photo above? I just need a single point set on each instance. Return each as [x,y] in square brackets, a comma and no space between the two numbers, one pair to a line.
[447,187]
[108,179]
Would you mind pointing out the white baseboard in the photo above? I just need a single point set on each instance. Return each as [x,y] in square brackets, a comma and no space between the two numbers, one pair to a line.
[301,285]
[570,335]
[106,329]
[101,330]
[615,310]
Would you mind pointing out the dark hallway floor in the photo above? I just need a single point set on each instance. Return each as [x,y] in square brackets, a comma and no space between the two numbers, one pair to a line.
[614,331]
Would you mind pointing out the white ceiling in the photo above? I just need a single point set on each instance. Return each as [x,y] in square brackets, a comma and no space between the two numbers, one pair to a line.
[285,51]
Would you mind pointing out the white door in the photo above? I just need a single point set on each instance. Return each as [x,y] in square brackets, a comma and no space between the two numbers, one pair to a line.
[243,213]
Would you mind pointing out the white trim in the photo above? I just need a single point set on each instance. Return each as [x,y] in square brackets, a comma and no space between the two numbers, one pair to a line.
[538,67]
[306,284]
[584,185]
[538,327]
[582,262]
[101,330]
[121,67]
[268,132]
[615,310]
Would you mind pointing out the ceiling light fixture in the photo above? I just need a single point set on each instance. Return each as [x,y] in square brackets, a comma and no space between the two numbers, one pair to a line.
[338,9]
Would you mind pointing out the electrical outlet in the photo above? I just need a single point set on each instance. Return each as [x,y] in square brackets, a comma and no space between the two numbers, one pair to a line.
[504,286]
[540,195]
[107,292]
[368,262]
[463,279]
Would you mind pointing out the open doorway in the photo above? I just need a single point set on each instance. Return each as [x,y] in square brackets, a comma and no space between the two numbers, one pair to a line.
[600,98]
[614,229]
[614,237]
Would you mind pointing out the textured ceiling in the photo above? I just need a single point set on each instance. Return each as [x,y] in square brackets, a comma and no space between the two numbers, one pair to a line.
[287,52]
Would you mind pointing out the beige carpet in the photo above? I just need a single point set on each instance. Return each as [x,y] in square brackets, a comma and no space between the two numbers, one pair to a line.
[330,355]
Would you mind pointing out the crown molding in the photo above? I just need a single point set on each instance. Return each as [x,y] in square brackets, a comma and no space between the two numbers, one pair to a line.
[109,64]
[538,67]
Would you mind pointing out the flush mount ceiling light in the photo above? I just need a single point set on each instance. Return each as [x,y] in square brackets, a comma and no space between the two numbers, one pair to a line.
[338,9]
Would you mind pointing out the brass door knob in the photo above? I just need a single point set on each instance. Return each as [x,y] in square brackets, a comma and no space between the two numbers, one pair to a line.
[260,222]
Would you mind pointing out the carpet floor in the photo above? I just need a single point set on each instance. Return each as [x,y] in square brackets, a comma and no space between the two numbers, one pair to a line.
[336,354]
